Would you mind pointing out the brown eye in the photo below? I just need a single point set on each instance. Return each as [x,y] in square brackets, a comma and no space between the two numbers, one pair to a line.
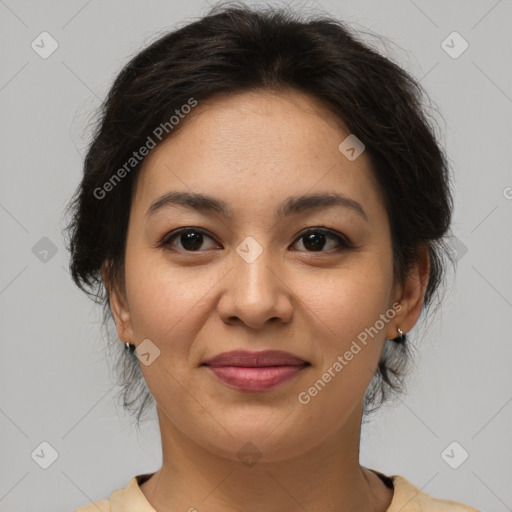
[315,240]
[191,239]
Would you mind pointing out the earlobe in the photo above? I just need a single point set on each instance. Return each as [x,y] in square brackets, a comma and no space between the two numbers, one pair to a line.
[119,308]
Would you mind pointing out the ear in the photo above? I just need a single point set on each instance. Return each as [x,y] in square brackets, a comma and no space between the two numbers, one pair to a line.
[119,307]
[412,294]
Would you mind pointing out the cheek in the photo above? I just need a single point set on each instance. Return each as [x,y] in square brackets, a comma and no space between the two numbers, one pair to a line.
[346,310]
[158,300]
[165,307]
[345,301]
[168,303]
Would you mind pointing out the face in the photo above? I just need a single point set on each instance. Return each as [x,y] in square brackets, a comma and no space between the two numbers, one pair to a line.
[262,275]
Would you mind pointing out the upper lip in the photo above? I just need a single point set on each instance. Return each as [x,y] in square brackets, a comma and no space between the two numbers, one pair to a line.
[250,359]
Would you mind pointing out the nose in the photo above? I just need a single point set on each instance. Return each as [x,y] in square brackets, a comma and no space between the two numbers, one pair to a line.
[255,292]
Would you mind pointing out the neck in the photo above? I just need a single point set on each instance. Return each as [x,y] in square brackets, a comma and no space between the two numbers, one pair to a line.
[327,477]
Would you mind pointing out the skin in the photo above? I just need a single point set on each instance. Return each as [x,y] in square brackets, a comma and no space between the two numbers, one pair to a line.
[253,150]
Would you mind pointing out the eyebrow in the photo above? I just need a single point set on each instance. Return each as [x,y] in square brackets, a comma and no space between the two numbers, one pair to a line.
[291,205]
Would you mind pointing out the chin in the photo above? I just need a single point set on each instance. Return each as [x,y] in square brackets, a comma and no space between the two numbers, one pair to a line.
[264,441]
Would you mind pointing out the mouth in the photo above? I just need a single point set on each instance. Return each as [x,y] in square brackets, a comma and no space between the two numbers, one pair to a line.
[255,371]
[248,359]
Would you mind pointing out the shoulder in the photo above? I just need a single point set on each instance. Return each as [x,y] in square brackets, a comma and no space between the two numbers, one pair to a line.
[97,506]
[408,498]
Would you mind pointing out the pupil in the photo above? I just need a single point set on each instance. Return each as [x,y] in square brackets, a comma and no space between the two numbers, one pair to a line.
[192,238]
[316,241]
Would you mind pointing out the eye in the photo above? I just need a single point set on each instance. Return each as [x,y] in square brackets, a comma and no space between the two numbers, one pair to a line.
[315,240]
[190,238]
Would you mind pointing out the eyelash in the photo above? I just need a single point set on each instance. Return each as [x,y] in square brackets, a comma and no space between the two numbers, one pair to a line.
[343,241]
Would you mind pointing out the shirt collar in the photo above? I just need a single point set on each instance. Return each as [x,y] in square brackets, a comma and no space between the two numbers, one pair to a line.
[131,498]
[406,497]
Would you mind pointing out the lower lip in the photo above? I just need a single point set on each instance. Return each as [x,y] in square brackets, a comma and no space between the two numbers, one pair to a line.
[255,379]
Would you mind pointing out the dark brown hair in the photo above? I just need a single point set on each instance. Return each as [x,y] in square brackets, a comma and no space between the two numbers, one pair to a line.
[237,48]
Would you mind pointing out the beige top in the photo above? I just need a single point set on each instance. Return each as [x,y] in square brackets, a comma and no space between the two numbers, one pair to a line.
[406,498]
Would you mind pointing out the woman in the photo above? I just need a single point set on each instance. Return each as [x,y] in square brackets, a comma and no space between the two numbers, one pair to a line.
[263,213]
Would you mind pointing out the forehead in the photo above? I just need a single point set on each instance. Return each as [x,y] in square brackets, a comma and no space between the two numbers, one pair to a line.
[260,145]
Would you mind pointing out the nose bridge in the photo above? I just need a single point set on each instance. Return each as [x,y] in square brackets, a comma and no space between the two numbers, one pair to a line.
[254,291]
[253,276]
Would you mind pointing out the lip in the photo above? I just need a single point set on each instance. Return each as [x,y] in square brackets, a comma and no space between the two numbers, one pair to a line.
[251,359]
[255,371]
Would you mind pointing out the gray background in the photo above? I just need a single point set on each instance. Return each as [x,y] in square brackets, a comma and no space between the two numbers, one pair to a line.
[54,379]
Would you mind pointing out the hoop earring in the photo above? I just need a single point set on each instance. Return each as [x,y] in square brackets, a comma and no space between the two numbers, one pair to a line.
[401,338]
[130,347]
